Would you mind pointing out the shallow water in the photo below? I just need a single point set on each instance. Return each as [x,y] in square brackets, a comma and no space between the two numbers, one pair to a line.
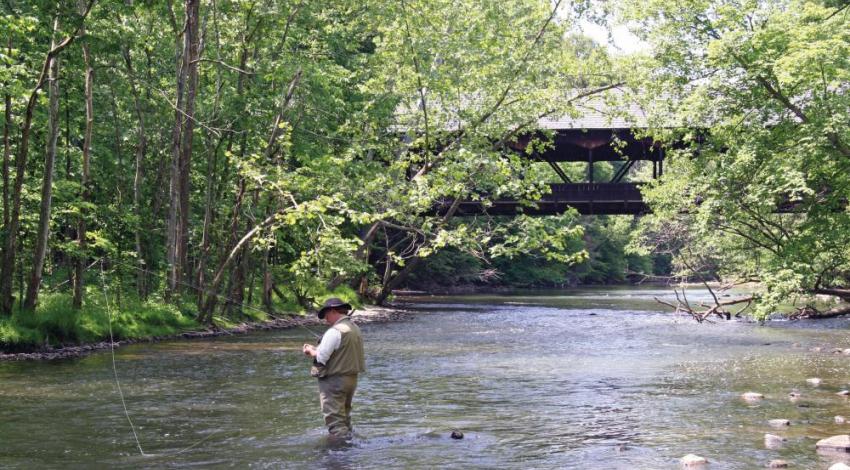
[585,379]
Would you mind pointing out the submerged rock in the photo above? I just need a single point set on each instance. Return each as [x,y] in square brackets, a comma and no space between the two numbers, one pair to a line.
[839,443]
[779,423]
[777,463]
[752,396]
[840,419]
[794,396]
[457,434]
[772,441]
[693,460]
[813,381]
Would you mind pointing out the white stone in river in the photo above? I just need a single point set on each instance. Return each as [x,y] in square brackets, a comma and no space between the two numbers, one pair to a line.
[840,420]
[772,441]
[692,460]
[779,423]
[777,463]
[839,466]
[839,443]
[843,393]
[752,396]
[813,381]
[845,351]
[794,396]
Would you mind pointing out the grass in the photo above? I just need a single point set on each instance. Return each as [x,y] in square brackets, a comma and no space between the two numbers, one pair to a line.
[55,322]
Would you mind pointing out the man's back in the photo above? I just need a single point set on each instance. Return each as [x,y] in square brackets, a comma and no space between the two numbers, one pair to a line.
[348,359]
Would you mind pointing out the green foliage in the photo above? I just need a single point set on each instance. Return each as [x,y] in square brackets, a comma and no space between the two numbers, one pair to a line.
[604,256]
[56,322]
[766,83]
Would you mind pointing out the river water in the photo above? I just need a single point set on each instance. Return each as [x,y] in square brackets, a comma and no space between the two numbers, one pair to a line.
[584,379]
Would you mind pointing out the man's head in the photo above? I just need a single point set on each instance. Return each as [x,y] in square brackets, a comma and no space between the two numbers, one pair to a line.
[333,309]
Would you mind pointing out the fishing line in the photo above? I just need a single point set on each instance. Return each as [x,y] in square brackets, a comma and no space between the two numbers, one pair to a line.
[115,368]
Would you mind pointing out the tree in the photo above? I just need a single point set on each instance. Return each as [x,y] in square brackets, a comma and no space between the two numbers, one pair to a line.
[759,92]
[7,267]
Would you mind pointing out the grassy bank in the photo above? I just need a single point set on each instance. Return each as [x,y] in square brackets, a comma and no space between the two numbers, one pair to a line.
[55,322]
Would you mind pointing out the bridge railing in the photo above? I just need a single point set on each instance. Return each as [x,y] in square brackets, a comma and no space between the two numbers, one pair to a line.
[595,192]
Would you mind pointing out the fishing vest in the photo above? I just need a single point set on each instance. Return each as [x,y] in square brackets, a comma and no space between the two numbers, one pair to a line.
[348,358]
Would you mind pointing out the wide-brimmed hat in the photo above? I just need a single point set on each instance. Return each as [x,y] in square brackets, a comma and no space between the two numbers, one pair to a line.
[332,302]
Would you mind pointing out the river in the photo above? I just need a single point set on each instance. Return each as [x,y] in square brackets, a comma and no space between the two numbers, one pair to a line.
[586,379]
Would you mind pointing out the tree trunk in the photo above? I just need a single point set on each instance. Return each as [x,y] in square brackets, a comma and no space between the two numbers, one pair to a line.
[7,144]
[394,282]
[267,283]
[7,267]
[46,183]
[84,181]
[190,56]
[173,229]
[141,150]
[212,194]
[837,311]
[205,315]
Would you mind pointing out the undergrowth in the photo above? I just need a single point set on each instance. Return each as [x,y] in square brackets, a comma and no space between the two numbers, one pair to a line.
[55,322]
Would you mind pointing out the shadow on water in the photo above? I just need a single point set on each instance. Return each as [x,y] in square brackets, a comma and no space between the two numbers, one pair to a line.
[590,379]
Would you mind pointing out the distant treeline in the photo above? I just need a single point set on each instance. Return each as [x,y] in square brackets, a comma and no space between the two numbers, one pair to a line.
[608,261]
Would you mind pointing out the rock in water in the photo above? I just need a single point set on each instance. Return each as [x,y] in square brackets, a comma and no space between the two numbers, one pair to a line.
[813,381]
[834,444]
[752,396]
[843,393]
[839,466]
[692,460]
[794,396]
[779,423]
[777,463]
[457,434]
[840,420]
[772,441]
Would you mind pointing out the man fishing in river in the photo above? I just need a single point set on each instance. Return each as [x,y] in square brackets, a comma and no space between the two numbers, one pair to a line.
[336,362]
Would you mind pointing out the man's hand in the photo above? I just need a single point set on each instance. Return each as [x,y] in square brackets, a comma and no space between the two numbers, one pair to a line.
[309,350]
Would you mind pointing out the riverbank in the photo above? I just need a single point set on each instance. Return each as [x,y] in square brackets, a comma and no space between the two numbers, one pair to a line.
[479,289]
[368,314]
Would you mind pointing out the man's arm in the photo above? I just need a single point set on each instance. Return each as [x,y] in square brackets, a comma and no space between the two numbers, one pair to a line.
[330,343]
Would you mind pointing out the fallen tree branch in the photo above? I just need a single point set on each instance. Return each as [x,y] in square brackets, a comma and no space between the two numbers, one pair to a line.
[812,313]
[683,305]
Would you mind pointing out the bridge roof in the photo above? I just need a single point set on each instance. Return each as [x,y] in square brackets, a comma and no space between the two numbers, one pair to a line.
[609,110]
